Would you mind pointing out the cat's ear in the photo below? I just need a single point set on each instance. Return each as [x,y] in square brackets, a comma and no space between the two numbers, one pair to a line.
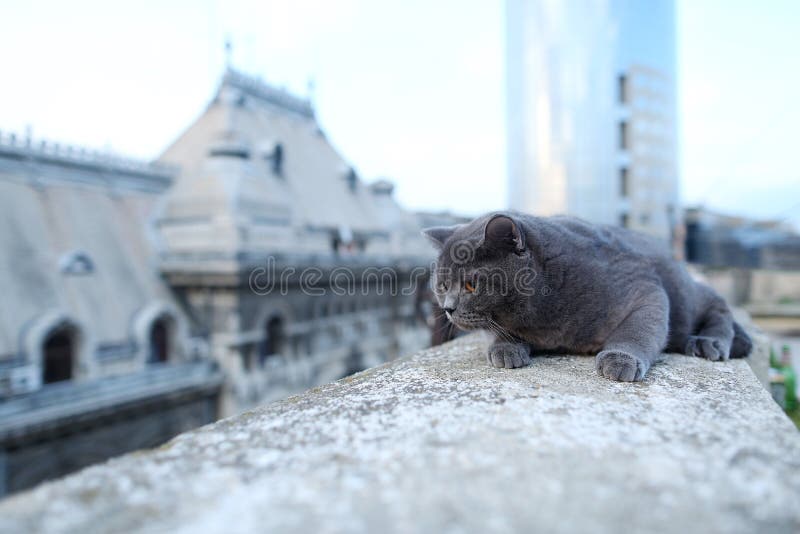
[437,235]
[502,232]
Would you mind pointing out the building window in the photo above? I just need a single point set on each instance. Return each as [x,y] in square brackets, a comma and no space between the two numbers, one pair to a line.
[159,341]
[623,182]
[276,160]
[644,219]
[622,89]
[58,356]
[76,263]
[352,179]
[272,342]
[354,363]
[247,360]
[624,220]
[623,135]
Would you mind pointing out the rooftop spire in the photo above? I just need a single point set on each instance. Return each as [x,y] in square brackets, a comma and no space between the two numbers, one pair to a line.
[228,52]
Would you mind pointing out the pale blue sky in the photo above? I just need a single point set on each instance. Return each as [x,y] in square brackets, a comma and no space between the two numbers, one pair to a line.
[411,90]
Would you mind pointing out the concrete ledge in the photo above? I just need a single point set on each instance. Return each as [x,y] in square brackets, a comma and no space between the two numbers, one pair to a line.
[440,442]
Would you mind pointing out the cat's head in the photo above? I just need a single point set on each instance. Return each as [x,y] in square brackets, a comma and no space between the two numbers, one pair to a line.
[480,271]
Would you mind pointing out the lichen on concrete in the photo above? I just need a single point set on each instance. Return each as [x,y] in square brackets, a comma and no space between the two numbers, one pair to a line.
[442,442]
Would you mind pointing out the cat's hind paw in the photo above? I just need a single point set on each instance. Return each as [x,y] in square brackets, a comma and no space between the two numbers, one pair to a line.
[707,347]
[508,355]
[621,366]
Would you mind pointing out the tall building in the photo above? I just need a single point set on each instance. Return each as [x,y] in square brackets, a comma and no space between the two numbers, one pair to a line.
[592,111]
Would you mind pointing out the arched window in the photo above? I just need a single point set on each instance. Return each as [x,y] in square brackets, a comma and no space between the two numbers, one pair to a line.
[159,340]
[272,342]
[354,362]
[58,355]
[76,263]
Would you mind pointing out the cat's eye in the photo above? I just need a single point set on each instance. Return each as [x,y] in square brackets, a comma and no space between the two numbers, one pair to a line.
[469,286]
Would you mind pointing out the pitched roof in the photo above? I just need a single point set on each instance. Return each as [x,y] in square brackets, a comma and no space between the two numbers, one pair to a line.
[78,245]
[231,184]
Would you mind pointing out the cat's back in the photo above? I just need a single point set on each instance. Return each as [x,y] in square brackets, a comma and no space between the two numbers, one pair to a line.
[603,239]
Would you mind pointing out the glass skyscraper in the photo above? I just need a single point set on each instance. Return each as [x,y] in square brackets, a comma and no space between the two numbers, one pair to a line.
[592,111]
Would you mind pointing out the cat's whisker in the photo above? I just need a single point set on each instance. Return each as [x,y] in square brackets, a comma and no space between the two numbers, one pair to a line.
[496,332]
[448,325]
[506,334]
[499,331]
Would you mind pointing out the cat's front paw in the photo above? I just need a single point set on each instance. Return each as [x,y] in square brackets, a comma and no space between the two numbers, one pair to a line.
[622,366]
[707,347]
[508,355]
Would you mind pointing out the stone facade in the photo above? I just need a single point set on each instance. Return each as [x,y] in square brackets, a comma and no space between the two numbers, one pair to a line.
[251,252]
[94,347]
[265,218]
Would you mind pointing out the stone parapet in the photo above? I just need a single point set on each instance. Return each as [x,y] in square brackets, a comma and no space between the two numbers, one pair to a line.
[442,442]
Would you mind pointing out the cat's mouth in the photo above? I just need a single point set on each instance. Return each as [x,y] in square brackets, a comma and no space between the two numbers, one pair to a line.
[468,322]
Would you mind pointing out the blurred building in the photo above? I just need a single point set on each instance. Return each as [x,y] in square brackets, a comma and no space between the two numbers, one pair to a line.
[142,299]
[718,240]
[87,324]
[591,111]
[262,201]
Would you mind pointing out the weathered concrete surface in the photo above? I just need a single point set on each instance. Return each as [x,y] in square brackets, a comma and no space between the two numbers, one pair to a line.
[441,442]
[759,356]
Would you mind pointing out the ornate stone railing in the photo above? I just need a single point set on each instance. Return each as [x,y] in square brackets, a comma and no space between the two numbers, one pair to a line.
[264,91]
[442,442]
[24,147]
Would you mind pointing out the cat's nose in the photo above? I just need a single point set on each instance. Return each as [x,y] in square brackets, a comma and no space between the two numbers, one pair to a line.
[449,311]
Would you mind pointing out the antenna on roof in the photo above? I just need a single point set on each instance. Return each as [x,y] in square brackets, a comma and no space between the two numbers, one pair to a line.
[228,52]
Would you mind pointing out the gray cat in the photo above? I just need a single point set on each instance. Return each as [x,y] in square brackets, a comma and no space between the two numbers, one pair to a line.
[562,285]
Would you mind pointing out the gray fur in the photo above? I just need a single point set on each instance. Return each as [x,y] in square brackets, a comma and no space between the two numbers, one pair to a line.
[560,284]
